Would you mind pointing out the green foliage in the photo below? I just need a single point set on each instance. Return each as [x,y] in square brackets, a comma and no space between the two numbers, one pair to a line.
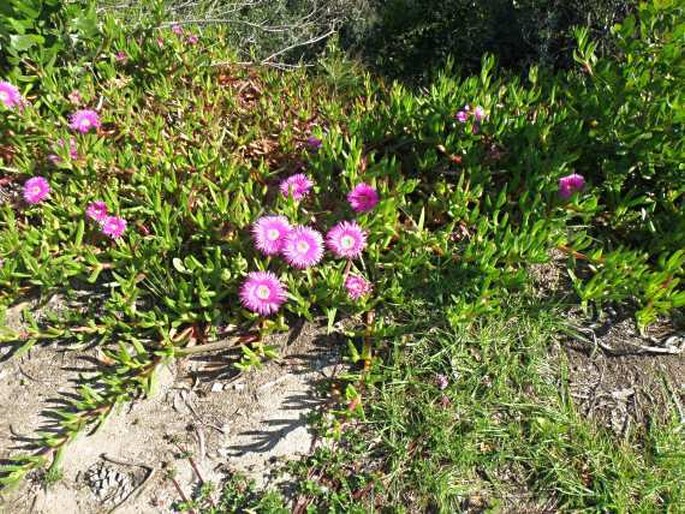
[238,495]
[191,153]
[45,32]
[632,111]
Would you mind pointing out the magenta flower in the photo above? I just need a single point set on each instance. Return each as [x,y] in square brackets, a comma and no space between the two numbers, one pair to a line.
[160,42]
[36,189]
[269,234]
[10,96]
[462,116]
[303,247]
[570,184]
[121,56]
[113,226]
[73,151]
[177,29]
[357,287]
[479,113]
[298,186]
[262,293]
[363,198]
[192,39]
[346,239]
[84,120]
[97,211]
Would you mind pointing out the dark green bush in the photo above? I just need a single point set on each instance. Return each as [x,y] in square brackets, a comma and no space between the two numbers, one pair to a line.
[409,38]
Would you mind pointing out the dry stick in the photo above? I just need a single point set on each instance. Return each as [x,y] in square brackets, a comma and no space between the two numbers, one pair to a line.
[182,494]
[295,45]
[642,348]
[195,468]
[201,442]
[21,370]
[660,350]
[192,462]
[265,28]
[279,65]
[211,347]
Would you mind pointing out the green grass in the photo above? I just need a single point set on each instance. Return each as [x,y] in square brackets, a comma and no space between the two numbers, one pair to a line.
[507,423]
[503,436]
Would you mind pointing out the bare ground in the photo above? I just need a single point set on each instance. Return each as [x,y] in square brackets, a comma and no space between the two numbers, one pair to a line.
[617,376]
[625,381]
[223,422]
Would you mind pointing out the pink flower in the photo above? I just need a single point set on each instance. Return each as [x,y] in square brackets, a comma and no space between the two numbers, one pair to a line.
[84,120]
[97,211]
[479,113]
[36,189]
[570,184]
[269,234]
[357,287]
[177,29]
[462,116]
[262,293]
[10,96]
[346,239]
[121,56]
[298,186]
[363,198]
[160,42]
[73,151]
[441,381]
[192,39]
[113,226]
[303,247]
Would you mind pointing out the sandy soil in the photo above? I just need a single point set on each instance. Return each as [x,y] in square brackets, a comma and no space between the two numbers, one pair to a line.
[202,410]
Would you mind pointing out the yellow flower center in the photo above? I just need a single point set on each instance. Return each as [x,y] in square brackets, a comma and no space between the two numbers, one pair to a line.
[272,234]
[302,247]
[4,96]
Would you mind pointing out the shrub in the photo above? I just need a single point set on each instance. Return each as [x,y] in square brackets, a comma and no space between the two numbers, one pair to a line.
[44,31]
[408,39]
